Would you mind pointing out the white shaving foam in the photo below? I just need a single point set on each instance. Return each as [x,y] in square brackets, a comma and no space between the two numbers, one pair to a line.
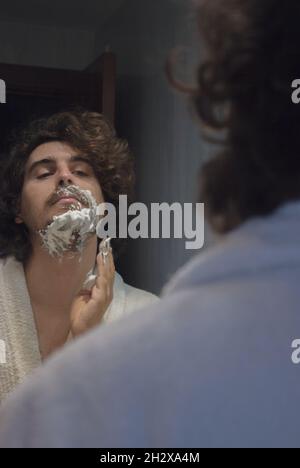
[69,232]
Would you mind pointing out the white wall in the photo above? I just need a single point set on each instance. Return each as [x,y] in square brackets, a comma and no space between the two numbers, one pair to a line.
[157,122]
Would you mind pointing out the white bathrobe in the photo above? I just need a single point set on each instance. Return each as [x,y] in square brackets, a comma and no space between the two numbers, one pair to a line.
[18,334]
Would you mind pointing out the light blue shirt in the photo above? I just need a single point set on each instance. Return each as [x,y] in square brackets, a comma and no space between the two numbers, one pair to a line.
[208,366]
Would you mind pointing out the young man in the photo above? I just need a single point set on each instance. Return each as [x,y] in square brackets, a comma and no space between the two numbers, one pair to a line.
[214,364]
[43,302]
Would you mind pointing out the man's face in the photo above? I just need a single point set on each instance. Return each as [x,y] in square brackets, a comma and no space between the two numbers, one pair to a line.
[50,166]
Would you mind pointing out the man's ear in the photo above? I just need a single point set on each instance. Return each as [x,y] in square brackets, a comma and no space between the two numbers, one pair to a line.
[18,218]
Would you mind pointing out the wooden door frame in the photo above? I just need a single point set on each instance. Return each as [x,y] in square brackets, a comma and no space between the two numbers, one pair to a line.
[97,82]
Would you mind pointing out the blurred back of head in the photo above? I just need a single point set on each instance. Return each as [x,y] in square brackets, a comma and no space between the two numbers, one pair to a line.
[252,56]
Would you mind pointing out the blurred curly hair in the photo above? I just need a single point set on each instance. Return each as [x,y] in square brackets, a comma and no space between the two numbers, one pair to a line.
[251,57]
[88,132]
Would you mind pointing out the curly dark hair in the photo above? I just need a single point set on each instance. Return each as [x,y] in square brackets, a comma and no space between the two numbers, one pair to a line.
[91,134]
[251,57]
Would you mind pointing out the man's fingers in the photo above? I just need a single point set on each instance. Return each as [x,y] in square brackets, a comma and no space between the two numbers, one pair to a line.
[102,291]
[106,266]
[111,262]
[106,274]
[89,308]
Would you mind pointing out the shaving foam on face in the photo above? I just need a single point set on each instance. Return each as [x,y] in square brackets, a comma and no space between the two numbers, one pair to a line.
[70,231]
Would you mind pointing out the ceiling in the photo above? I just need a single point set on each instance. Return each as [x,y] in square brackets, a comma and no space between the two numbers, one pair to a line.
[87,14]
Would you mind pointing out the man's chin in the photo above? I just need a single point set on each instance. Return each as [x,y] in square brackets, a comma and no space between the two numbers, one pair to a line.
[60,210]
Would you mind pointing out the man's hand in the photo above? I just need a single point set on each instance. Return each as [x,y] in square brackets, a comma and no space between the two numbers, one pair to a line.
[89,307]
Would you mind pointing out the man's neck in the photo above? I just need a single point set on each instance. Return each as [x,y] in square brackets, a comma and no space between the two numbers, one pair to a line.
[52,283]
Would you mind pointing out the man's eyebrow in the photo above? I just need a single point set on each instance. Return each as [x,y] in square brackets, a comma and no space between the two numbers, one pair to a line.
[80,158]
[41,162]
[51,161]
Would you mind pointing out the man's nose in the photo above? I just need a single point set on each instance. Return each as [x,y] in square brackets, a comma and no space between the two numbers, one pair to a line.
[65,177]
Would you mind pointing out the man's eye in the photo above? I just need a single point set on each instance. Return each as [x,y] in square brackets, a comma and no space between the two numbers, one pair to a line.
[81,173]
[43,176]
